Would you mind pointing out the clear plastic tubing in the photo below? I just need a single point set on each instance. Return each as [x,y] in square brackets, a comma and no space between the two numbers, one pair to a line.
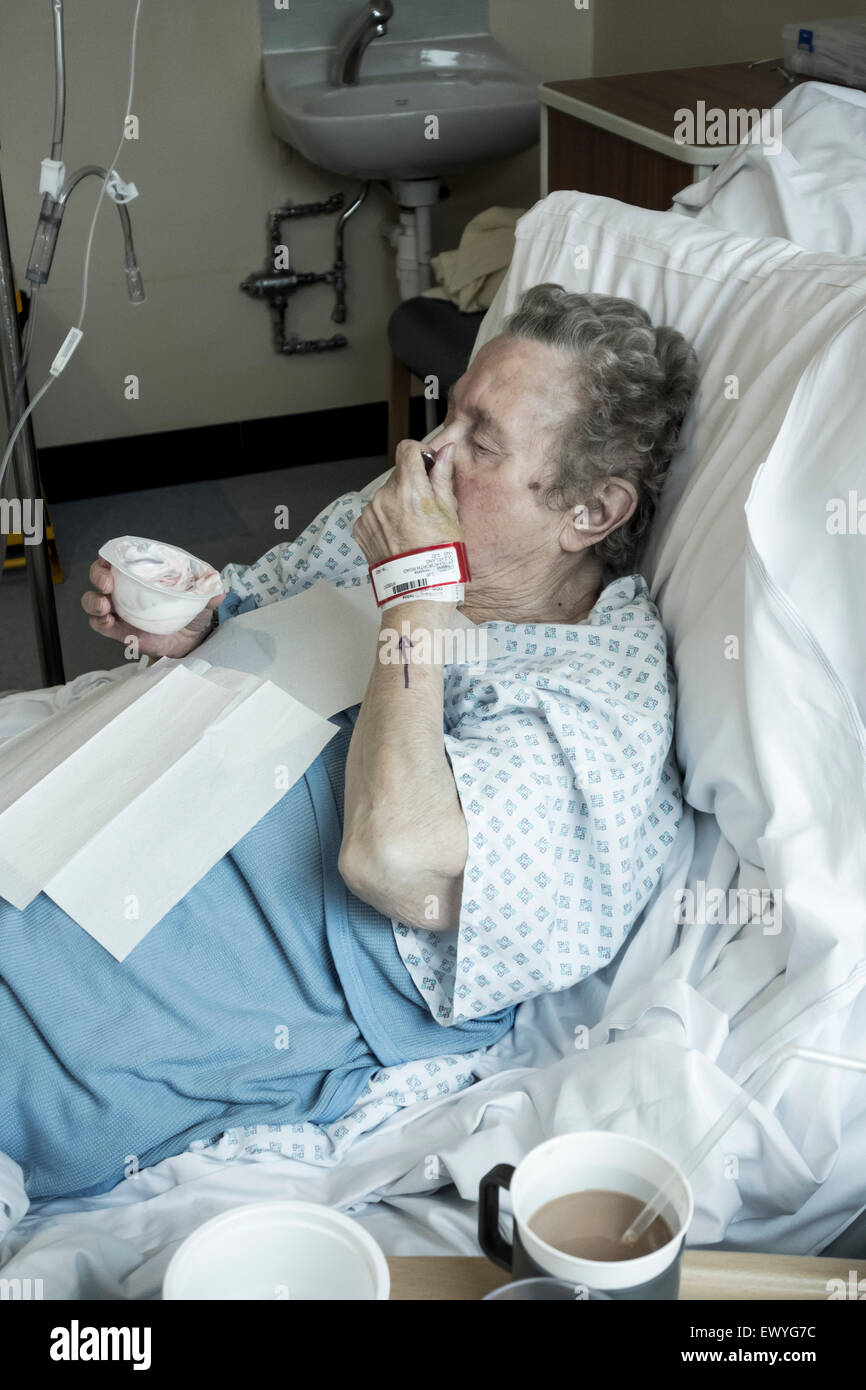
[789,1053]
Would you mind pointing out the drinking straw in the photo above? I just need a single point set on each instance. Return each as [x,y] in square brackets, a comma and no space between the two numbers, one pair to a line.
[788,1053]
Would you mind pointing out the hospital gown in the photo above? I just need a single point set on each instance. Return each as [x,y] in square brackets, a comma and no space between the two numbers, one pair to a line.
[562,754]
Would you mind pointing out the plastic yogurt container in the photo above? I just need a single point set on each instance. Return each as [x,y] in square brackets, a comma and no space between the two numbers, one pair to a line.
[157,587]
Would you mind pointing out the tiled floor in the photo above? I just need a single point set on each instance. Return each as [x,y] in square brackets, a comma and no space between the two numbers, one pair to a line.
[227,521]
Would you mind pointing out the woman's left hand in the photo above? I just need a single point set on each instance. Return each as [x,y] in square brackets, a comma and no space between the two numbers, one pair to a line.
[413,509]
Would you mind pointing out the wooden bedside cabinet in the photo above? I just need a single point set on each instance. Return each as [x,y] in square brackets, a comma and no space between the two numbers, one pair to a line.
[614,136]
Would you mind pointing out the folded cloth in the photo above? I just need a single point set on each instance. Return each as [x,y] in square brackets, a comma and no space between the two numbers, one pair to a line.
[471,275]
[13,1199]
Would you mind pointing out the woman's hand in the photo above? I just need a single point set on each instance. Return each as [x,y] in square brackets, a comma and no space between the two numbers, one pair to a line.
[97,603]
[413,509]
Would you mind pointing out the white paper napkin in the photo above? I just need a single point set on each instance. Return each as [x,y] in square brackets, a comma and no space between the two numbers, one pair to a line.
[318,645]
[118,805]
[134,870]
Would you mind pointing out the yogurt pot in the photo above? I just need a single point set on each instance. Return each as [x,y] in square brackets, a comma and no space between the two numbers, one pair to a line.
[281,1250]
[157,587]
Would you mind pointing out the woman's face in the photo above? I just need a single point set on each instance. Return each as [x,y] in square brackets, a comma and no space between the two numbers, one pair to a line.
[504,418]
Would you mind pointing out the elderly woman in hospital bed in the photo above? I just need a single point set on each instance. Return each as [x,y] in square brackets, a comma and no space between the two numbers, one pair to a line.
[468,840]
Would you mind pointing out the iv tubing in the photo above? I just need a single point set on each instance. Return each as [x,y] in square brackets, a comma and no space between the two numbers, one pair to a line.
[60,89]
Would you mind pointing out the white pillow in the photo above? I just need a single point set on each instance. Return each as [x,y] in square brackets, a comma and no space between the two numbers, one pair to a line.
[811,191]
[758,314]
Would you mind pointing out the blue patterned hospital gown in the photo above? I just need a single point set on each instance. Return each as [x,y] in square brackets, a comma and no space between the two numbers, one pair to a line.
[563,758]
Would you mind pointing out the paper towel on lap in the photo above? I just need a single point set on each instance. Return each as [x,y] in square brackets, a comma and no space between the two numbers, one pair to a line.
[67,779]
[319,645]
[116,807]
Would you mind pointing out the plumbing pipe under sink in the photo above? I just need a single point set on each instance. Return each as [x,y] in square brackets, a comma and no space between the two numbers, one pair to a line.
[412,236]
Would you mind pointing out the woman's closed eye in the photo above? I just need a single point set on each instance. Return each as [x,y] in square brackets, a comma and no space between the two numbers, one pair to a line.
[479,448]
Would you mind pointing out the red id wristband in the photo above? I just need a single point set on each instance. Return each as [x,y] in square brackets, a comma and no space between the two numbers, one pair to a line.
[429,568]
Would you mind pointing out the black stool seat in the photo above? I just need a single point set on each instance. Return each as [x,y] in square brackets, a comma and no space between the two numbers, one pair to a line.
[433,338]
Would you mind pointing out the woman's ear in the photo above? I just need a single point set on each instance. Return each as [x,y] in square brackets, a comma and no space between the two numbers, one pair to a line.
[587,523]
[583,526]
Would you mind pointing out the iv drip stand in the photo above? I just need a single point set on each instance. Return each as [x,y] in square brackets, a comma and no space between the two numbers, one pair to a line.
[24,468]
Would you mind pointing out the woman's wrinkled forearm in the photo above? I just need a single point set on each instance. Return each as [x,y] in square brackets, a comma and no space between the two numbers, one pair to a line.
[404,836]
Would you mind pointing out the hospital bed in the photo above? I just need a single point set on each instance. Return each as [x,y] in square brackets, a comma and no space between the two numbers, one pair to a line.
[758,578]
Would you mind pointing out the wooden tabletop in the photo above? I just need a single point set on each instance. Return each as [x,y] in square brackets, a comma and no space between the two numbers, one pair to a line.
[706,1274]
[649,99]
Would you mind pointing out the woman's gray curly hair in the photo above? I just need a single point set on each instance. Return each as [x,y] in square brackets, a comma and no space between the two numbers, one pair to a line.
[633,386]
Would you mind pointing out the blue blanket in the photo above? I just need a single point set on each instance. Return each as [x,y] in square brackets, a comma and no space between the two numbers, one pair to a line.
[269,994]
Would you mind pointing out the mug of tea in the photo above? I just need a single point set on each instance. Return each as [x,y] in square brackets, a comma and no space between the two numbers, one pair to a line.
[572,1198]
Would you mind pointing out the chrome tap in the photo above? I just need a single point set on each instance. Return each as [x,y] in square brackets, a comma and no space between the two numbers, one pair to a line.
[370,24]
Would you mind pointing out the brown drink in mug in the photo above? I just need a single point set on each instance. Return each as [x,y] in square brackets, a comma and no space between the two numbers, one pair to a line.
[572,1198]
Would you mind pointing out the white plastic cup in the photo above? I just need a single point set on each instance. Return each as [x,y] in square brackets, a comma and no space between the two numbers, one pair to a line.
[154,606]
[273,1251]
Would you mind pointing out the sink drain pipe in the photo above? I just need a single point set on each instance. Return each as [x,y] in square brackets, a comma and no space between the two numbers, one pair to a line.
[412,237]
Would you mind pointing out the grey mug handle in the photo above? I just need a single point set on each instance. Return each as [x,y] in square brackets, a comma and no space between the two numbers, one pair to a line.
[492,1242]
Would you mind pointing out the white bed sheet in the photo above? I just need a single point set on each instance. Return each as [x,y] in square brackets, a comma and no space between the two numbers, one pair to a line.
[812,191]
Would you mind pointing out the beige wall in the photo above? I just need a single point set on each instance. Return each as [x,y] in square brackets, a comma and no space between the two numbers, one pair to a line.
[552,37]
[648,35]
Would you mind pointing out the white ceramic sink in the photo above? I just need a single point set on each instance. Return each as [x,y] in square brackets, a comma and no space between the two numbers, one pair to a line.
[486,108]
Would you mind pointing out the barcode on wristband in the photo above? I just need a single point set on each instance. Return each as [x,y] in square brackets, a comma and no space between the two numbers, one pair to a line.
[434,571]
[412,584]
